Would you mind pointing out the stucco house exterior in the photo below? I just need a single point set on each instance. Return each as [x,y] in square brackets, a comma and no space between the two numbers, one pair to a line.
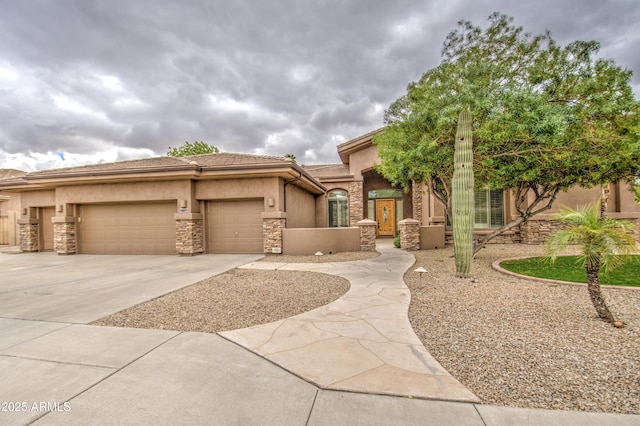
[241,203]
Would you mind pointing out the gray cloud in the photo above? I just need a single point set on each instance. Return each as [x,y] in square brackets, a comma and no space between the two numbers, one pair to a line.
[112,80]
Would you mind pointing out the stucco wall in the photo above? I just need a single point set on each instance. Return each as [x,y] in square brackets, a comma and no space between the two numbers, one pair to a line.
[300,208]
[621,203]
[269,188]
[307,241]
[38,199]
[363,160]
[124,192]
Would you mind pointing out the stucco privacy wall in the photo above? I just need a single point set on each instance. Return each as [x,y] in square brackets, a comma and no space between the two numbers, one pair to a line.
[308,241]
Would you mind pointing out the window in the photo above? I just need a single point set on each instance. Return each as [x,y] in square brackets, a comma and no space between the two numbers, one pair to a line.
[489,211]
[338,209]
[385,193]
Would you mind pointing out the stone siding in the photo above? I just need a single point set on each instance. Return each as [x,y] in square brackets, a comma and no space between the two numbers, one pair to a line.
[410,234]
[272,234]
[356,203]
[537,231]
[189,237]
[416,200]
[64,238]
[367,235]
[29,237]
[509,237]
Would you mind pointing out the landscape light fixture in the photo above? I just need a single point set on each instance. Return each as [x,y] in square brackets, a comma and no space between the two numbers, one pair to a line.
[421,271]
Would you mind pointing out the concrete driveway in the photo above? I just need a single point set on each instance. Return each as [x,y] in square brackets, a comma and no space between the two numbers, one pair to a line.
[83,288]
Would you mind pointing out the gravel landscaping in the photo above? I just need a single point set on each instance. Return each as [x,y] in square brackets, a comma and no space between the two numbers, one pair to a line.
[525,343]
[511,341]
[236,299]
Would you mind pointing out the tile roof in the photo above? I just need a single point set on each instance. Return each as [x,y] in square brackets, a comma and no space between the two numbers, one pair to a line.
[11,173]
[168,163]
[234,159]
[328,170]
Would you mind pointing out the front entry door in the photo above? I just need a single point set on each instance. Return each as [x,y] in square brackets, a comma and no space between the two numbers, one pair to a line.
[386,217]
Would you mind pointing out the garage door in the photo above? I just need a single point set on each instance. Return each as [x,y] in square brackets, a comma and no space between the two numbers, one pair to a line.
[128,229]
[235,226]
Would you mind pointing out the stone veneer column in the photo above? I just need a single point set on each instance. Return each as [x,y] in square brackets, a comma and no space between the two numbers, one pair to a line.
[356,203]
[410,234]
[189,234]
[29,237]
[272,225]
[64,235]
[367,235]
[416,200]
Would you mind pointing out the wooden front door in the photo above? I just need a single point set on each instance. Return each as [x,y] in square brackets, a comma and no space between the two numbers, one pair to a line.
[386,217]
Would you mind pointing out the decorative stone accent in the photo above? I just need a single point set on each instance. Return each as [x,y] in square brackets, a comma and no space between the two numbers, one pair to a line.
[537,231]
[410,234]
[356,206]
[367,235]
[272,234]
[64,237]
[29,237]
[508,237]
[189,234]
[416,200]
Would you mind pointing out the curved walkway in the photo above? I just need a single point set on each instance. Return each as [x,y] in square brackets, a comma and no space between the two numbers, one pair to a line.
[362,342]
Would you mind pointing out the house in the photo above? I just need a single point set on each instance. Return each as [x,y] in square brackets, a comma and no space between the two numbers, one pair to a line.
[241,203]
[215,203]
[367,194]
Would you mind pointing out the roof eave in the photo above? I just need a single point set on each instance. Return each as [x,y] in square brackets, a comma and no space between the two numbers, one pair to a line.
[347,148]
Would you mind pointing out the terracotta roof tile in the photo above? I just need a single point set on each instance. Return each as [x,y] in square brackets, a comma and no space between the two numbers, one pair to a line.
[328,170]
[234,159]
[11,173]
[204,160]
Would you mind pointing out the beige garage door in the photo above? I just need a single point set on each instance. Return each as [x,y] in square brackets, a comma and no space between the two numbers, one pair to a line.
[128,229]
[235,226]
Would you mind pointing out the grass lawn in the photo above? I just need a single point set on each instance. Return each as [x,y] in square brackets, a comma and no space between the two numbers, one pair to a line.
[566,268]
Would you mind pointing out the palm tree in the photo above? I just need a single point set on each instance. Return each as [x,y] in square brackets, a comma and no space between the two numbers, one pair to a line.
[600,240]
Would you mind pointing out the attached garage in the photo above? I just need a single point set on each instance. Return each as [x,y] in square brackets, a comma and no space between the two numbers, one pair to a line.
[235,226]
[147,228]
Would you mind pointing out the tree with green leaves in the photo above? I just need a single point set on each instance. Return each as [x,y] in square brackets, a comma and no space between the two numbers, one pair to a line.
[291,157]
[195,148]
[601,241]
[546,118]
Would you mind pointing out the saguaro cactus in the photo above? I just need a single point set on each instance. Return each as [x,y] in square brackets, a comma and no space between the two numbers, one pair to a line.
[462,196]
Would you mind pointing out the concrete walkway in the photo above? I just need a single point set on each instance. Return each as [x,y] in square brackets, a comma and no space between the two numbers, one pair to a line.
[55,372]
[362,342]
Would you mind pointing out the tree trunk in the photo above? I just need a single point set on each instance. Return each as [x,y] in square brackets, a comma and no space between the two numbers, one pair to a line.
[593,285]
[604,200]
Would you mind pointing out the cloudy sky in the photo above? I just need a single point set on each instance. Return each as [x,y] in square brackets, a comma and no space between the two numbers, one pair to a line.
[88,81]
